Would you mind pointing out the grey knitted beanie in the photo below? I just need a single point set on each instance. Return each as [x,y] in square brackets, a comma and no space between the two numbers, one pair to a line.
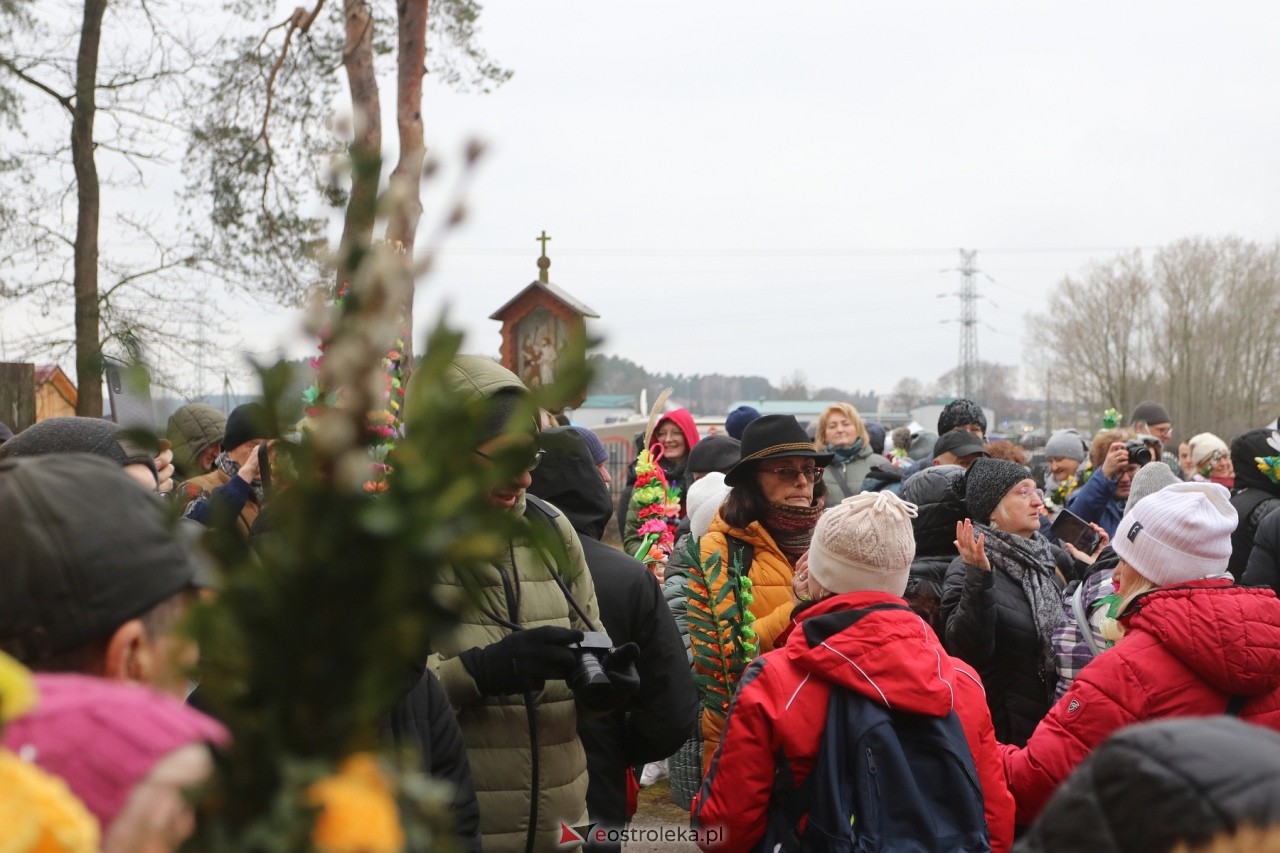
[1149,412]
[986,484]
[1066,444]
[1150,479]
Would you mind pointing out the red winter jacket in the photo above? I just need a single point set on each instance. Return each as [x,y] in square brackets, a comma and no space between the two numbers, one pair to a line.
[891,656]
[1187,650]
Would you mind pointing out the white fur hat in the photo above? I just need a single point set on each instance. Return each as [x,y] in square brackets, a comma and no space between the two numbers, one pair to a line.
[1181,533]
[865,544]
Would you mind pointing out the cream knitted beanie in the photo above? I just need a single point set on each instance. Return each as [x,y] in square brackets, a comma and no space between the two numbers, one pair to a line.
[1205,448]
[864,544]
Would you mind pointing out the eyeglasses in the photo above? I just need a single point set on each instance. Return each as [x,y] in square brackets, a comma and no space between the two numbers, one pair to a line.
[534,460]
[1026,492]
[790,475]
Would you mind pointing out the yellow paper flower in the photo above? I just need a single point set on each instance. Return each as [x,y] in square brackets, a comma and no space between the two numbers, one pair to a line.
[17,689]
[357,810]
[39,813]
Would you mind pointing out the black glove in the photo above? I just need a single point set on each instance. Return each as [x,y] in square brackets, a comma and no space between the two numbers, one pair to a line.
[624,680]
[523,660]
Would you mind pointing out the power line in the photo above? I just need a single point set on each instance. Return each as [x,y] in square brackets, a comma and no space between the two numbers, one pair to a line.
[814,252]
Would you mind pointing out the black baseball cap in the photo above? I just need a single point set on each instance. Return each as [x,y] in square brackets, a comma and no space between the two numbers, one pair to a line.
[84,551]
[959,442]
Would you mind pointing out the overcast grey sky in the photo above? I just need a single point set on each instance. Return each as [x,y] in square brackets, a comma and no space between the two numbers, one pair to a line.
[777,186]
[749,187]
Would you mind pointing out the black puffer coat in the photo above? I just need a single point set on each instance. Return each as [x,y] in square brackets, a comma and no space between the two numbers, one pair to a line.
[425,719]
[1151,786]
[938,493]
[1264,559]
[661,716]
[991,627]
[1254,496]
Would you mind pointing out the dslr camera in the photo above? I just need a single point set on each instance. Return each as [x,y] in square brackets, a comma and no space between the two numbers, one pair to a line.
[1139,453]
[589,678]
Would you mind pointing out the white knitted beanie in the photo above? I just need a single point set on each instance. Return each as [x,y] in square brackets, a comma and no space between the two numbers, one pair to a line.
[865,544]
[1181,533]
[704,499]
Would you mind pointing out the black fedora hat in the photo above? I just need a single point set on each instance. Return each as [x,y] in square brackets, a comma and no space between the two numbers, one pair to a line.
[769,437]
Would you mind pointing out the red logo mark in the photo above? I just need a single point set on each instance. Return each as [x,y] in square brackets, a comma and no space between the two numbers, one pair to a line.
[568,835]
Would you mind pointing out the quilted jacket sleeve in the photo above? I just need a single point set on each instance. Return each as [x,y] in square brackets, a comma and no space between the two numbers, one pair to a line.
[1264,560]
[969,611]
[1090,500]
[1105,697]
[736,790]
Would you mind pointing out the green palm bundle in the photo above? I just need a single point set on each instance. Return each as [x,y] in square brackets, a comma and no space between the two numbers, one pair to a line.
[720,631]
[325,623]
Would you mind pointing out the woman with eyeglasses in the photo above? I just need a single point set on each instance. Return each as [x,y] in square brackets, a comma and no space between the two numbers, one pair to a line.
[776,499]
[1002,598]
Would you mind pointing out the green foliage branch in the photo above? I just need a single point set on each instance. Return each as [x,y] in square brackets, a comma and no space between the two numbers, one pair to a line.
[722,638]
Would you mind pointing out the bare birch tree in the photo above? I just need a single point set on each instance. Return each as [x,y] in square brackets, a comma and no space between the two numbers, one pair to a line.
[1192,328]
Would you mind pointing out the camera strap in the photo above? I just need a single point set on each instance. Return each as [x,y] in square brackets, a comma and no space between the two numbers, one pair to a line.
[545,515]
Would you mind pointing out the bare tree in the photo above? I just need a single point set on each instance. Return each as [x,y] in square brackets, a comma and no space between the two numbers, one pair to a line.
[907,394]
[1216,340]
[264,150]
[794,387]
[1192,329]
[996,388]
[1097,330]
[110,83]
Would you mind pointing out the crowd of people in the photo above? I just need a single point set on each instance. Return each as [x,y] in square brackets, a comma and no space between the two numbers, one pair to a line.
[938,645]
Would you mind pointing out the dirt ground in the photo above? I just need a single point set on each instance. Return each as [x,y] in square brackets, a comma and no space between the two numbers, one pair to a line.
[656,809]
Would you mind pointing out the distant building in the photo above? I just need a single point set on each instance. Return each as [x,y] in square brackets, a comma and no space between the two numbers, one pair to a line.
[55,392]
[808,411]
[600,409]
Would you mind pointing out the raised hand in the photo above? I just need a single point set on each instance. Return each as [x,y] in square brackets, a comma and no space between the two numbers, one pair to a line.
[973,549]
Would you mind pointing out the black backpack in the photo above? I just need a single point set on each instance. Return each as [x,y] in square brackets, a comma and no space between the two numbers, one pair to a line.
[883,780]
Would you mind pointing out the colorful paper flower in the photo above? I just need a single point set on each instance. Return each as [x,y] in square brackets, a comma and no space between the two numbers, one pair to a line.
[17,689]
[657,507]
[357,810]
[39,813]
[383,424]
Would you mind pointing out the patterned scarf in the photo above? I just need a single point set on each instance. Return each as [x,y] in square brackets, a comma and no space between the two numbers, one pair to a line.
[848,453]
[231,467]
[1031,564]
[792,527]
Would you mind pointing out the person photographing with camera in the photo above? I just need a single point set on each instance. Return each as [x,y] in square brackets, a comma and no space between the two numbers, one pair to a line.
[528,654]
[1116,456]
